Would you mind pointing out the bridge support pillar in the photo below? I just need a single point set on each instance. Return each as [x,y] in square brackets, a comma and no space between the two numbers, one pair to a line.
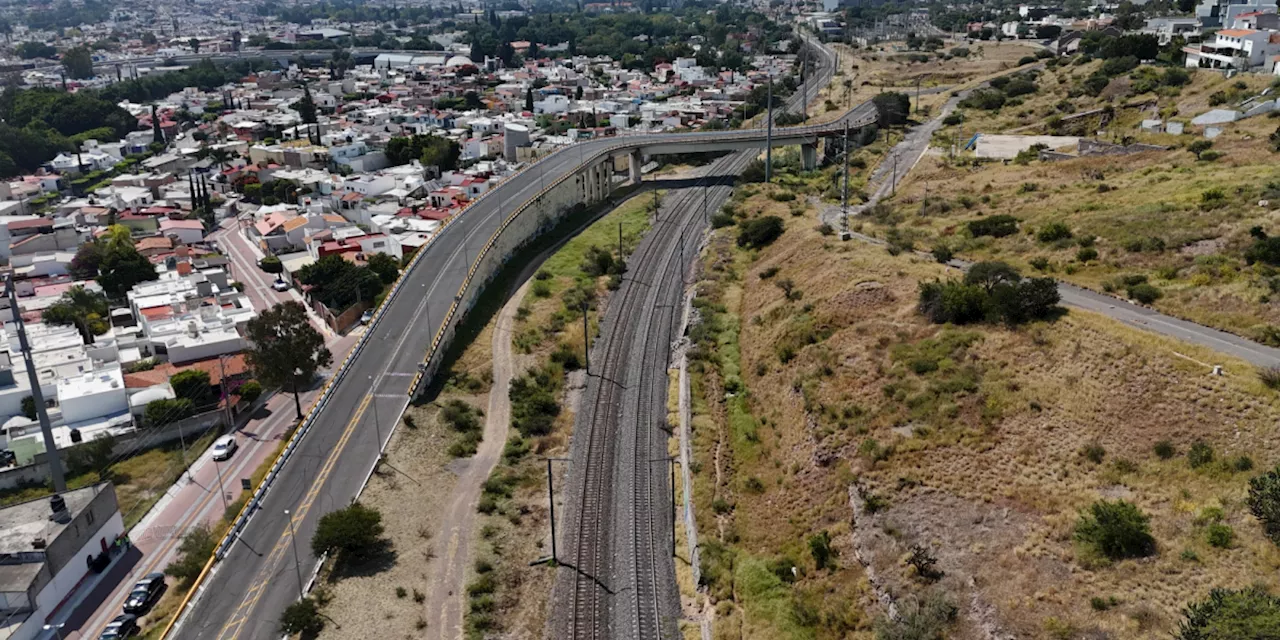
[634,164]
[606,177]
[809,156]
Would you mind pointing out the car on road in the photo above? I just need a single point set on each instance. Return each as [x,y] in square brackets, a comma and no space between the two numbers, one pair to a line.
[366,317]
[223,448]
[280,285]
[124,626]
[144,594]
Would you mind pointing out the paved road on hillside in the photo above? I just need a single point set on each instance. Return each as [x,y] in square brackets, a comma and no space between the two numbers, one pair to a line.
[258,578]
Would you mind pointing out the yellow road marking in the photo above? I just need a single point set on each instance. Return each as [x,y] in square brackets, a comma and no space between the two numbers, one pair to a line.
[236,623]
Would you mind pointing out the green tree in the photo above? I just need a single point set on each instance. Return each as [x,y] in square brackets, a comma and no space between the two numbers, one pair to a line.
[353,532]
[167,411]
[301,618]
[86,310]
[286,350]
[1264,502]
[194,551]
[1198,147]
[1228,614]
[122,266]
[307,106]
[1116,530]
[193,385]
[29,407]
[386,266]
[892,107]
[29,50]
[194,43]
[78,62]
[760,232]
[271,264]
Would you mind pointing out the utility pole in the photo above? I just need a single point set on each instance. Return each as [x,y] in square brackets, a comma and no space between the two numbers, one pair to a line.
[917,95]
[620,256]
[586,339]
[297,561]
[893,186]
[373,391]
[56,477]
[804,89]
[551,502]
[768,136]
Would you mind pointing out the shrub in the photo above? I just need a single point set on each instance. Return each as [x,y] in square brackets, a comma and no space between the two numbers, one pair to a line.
[194,551]
[985,99]
[924,564]
[1200,454]
[301,618]
[722,219]
[1144,293]
[991,291]
[1220,535]
[1270,376]
[1039,263]
[1093,452]
[1053,232]
[760,232]
[1116,530]
[953,119]
[1198,147]
[942,253]
[1165,450]
[927,620]
[271,264]
[1232,615]
[820,549]
[1264,502]
[1087,254]
[997,226]
[166,411]
[250,390]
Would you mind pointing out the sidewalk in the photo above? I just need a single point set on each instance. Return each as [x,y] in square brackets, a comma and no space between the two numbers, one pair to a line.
[197,498]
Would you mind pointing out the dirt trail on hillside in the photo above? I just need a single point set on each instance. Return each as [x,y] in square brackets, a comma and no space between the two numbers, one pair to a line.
[446,600]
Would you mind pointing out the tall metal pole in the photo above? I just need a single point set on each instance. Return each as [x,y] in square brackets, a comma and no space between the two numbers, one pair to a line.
[674,511]
[56,477]
[768,136]
[586,339]
[377,427]
[804,89]
[297,562]
[551,500]
[620,256]
[893,186]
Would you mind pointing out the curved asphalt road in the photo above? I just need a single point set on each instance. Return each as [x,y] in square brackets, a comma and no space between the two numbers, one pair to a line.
[259,576]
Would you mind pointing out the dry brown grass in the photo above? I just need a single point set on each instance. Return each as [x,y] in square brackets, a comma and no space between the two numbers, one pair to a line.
[414,483]
[992,479]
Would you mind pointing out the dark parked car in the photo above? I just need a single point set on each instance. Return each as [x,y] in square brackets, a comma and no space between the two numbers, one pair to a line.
[123,626]
[145,594]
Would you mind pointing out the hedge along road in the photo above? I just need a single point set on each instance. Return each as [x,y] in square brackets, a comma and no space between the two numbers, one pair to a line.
[247,589]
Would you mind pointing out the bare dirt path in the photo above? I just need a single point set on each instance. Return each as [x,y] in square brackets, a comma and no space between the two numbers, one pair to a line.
[445,601]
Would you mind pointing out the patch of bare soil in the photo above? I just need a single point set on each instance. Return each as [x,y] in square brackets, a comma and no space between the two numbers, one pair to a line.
[413,484]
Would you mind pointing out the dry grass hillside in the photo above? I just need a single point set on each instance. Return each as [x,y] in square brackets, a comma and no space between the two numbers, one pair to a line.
[836,431]
[1180,223]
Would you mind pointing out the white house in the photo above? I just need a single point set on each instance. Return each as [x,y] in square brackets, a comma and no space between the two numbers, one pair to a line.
[185,231]
[1234,49]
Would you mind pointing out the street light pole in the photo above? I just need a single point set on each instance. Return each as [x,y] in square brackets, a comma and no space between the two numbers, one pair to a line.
[377,427]
[297,562]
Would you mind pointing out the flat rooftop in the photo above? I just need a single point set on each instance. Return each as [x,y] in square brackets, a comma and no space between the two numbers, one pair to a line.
[22,523]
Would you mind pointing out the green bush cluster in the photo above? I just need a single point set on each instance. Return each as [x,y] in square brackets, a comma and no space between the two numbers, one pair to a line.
[1116,530]
[533,400]
[990,292]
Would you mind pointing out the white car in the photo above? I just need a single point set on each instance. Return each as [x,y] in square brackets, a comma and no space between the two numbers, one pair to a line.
[280,285]
[366,316]
[223,448]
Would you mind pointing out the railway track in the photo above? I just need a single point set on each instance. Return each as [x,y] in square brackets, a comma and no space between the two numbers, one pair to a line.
[618,580]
